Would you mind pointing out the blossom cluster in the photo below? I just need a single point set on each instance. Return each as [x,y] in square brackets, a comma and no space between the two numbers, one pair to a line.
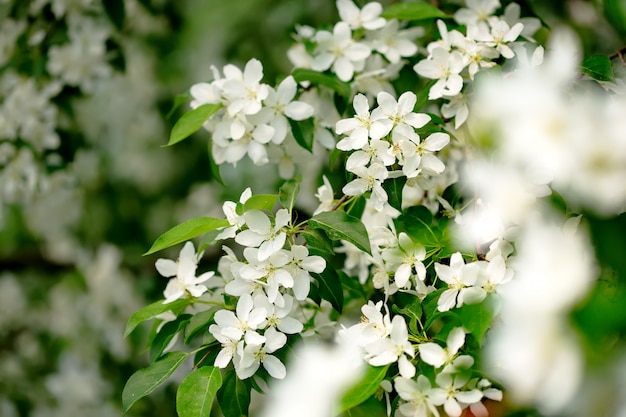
[268,284]
[254,117]
[356,46]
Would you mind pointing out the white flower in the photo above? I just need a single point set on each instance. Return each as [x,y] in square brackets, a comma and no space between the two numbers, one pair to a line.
[254,355]
[477,11]
[368,17]
[450,395]
[404,258]
[370,178]
[235,220]
[260,233]
[435,355]
[416,395]
[444,67]
[243,324]
[243,91]
[399,112]
[300,266]
[340,51]
[461,279]
[394,348]
[326,196]
[278,104]
[499,35]
[361,127]
[393,43]
[184,273]
[278,317]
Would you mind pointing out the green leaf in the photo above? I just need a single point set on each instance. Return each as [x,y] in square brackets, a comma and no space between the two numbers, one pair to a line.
[332,82]
[476,318]
[178,101]
[115,11]
[146,380]
[318,243]
[330,288]
[288,193]
[598,67]
[364,389]
[615,12]
[234,395]
[199,322]
[185,231]
[195,394]
[209,239]
[264,202]
[166,334]
[414,11]
[303,132]
[394,187]
[339,225]
[151,311]
[191,121]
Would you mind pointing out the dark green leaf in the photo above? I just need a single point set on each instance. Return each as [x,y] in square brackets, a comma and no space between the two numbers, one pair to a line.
[330,288]
[115,11]
[234,395]
[146,380]
[339,225]
[166,334]
[151,311]
[414,11]
[599,68]
[394,187]
[303,132]
[364,389]
[332,82]
[185,231]
[411,308]
[199,322]
[372,407]
[191,121]
[318,243]
[263,202]
[178,101]
[615,12]
[195,394]
[288,193]
[476,318]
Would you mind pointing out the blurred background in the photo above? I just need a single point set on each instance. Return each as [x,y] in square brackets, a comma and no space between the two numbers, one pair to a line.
[86,92]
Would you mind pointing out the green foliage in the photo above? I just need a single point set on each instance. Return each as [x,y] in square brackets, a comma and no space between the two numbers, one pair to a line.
[330,288]
[330,81]
[339,225]
[364,389]
[186,231]
[116,12]
[414,11]
[615,12]
[303,132]
[191,121]
[318,243]
[598,67]
[151,311]
[234,395]
[288,193]
[199,322]
[166,334]
[195,394]
[145,381]
[264,202]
